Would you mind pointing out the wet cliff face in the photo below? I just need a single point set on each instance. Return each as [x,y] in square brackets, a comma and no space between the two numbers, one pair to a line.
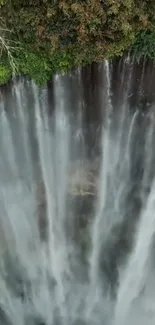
[83,92]
[76,169]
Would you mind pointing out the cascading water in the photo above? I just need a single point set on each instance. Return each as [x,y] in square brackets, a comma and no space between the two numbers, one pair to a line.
[77,200]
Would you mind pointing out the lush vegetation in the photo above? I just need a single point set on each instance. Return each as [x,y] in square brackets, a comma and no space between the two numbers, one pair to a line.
[38,37]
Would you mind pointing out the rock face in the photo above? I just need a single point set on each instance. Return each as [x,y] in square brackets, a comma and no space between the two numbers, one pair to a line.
[82,186]
[82,191]
[83,179]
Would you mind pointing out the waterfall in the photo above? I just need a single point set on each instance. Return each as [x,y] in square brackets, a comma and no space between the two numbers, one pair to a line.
[77,198]
[133,279]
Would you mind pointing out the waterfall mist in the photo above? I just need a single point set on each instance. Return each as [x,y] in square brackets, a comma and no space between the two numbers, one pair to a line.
[77,198]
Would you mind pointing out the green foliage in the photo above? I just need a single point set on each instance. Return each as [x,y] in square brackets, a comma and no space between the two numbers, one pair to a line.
[35,66]
[40,66]
[62,60]
[57,35]
[145,44]
[5,73]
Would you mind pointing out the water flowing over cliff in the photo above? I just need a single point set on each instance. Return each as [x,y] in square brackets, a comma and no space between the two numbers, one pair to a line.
[77,197]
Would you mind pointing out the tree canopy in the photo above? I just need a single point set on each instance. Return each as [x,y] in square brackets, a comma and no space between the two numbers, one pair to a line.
[44,36]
